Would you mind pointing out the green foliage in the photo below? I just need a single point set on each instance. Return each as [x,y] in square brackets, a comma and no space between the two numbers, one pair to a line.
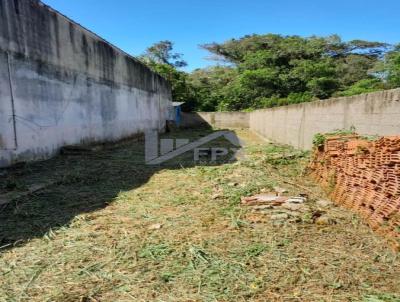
[299,97]
[256,250]
[161,53]
[319,140]
[182,90]
[354,68]
[393,67]
[381,298]
[155,251]
[275,70]
[210,86]
[159,57]
[363,86]
[322,88]
[263,71]
[342,132]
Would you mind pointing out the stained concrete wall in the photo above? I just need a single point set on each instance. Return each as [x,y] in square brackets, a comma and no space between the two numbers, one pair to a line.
[216,119]
[371,114]
[61,84]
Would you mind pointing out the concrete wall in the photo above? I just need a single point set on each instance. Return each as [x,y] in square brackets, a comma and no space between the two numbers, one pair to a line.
[371,114]
[216,119]
[60,84]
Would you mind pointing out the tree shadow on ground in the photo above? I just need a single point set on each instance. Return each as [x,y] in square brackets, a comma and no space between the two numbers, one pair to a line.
[81,183]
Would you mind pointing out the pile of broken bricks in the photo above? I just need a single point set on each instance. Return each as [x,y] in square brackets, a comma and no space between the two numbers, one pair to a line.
[364,176]
[281,208]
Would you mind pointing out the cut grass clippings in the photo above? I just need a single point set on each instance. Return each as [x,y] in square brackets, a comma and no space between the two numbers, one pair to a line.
[88,236]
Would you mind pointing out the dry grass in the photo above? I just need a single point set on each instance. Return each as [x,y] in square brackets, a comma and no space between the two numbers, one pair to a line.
[87,237]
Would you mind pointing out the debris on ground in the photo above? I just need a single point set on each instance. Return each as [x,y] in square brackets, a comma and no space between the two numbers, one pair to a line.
[155,226]
[277,206]
[264,198]
[216,196]
[324,220]
[317,214]
[297,199]
[280,216]
[280,207]
[323,203]
[280,190]
[300,207]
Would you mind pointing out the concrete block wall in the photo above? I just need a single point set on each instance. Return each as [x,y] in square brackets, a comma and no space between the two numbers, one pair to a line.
[216,119]
[61,84]
[375,113]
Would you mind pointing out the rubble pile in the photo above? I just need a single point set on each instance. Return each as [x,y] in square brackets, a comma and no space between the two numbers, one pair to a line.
[364,176]
[277,206]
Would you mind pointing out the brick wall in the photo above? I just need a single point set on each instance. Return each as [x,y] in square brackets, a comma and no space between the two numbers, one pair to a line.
[363,176]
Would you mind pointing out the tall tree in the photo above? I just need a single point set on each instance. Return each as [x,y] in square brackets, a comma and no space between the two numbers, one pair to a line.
[162,59]
[393,67]
[274,69]
[162,53]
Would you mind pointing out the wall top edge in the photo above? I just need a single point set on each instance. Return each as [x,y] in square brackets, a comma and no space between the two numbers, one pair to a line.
[364,96]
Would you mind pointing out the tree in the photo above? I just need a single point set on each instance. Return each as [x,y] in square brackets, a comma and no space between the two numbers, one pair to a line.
[393,67]
[363,86]
[338,48]
[209,86]
[274,70]
[270,70]
[161,53]
[161,58]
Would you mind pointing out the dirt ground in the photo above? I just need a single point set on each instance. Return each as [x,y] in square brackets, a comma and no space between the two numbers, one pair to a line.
[106,227]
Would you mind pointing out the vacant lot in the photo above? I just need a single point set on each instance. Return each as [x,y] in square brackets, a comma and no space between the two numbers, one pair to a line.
[106,227]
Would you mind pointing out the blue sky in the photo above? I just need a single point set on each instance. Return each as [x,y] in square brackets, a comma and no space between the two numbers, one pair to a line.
[133,25]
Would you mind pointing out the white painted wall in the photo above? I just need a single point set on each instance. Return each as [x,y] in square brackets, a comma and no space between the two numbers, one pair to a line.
[69,86]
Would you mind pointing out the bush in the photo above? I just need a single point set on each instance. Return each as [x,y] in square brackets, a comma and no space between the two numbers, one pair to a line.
[363,86]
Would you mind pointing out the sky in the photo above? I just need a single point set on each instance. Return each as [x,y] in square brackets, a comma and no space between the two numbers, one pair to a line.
[133,25]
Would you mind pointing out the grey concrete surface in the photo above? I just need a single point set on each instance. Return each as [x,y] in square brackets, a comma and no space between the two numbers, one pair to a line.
[375,113]
[61,84]
[216,119]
